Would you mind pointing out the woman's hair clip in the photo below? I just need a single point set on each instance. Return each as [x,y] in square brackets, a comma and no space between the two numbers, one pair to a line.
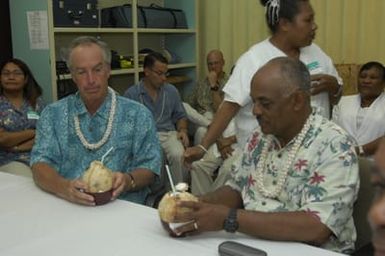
[272,11]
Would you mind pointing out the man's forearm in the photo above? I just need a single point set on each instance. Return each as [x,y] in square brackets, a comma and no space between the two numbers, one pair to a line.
[224,195]
[48,179]
[284,226]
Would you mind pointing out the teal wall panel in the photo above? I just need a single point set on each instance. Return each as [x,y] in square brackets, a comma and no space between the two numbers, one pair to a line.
[37,60]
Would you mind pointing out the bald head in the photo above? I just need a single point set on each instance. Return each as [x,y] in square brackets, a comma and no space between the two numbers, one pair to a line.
[215,61]
[217,53]
[293,72]
[280,92]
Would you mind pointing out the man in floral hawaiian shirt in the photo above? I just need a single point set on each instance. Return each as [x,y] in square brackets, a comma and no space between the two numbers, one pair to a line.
[297,179]
[95,124]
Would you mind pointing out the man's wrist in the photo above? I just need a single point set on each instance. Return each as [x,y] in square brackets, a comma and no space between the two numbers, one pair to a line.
[230,224]
[130,182]
[203,148]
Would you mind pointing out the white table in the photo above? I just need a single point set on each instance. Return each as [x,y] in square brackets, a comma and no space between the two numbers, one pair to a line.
[33,222]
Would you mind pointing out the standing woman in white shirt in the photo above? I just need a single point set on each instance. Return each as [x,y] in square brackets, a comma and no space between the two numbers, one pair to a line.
[293,30]
[363,115]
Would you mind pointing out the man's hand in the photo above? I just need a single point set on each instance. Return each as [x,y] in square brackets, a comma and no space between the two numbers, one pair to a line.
[212,77]
[224,146]
[119,184]
[183,137]
[226,152]
[202,217]
[73,191]
[193,154]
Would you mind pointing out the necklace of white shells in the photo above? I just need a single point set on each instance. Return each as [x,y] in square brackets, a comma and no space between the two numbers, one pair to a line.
[261,166]
[97,145]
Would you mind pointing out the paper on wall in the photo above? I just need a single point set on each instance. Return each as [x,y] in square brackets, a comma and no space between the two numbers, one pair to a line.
[38,30]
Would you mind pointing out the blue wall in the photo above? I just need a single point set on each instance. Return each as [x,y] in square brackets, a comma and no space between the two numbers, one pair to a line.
[37,60]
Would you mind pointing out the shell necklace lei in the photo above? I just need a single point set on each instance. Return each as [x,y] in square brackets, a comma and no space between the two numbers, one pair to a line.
[261,166]
[97,145]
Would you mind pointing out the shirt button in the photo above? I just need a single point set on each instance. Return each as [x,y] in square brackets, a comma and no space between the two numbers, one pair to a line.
[263,203]
[90,129]
[279,155]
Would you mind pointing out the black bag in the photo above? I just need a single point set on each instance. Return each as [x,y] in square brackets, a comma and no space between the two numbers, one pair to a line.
[75,13]
[156,16]
[148,17]
[119,16]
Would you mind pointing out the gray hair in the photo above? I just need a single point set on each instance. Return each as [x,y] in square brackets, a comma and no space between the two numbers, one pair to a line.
[295,73]
[88,40]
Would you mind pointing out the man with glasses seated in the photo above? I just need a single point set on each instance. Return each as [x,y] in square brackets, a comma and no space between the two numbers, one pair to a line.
[165,103]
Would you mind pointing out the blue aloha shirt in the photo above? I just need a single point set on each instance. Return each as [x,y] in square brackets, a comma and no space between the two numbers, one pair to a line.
[14,120]
[133,138]
[322,181]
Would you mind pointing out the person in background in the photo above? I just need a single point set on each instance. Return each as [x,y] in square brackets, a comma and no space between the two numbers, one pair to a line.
[363,115]
[207,94]
[297,178]
[165,104]
[214,168]
[20,107]
[376,214]
[84,127]
[293,30]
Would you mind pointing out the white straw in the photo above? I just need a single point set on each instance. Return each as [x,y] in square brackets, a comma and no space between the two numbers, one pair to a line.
[106,154]
[170,179]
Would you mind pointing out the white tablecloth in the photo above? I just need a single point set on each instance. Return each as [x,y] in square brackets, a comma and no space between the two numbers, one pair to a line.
[33,222]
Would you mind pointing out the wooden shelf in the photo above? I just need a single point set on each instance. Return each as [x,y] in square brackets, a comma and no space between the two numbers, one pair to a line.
[93,30]
[166,31]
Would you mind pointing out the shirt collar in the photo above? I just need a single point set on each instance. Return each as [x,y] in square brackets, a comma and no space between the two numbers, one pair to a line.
[142,89]
[103,111]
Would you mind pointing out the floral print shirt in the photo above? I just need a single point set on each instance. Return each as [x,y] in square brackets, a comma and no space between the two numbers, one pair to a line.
[133,138]
[13,120]
[322,180]
[201,98]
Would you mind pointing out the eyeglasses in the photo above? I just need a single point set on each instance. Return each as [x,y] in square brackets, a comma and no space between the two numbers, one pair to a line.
[16,73]
[160,73]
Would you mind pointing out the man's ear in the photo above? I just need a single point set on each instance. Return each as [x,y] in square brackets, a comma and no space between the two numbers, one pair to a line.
[300,99]
[145,71]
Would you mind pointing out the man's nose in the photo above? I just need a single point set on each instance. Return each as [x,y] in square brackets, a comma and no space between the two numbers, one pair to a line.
[257,111]
[90,77]
[376,214]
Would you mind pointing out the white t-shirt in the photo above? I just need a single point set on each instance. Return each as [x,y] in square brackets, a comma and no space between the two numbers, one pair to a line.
[347,113]
[237,88]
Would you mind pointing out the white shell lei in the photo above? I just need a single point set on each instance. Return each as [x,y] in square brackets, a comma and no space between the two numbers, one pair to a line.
[261,166]
[93,146]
